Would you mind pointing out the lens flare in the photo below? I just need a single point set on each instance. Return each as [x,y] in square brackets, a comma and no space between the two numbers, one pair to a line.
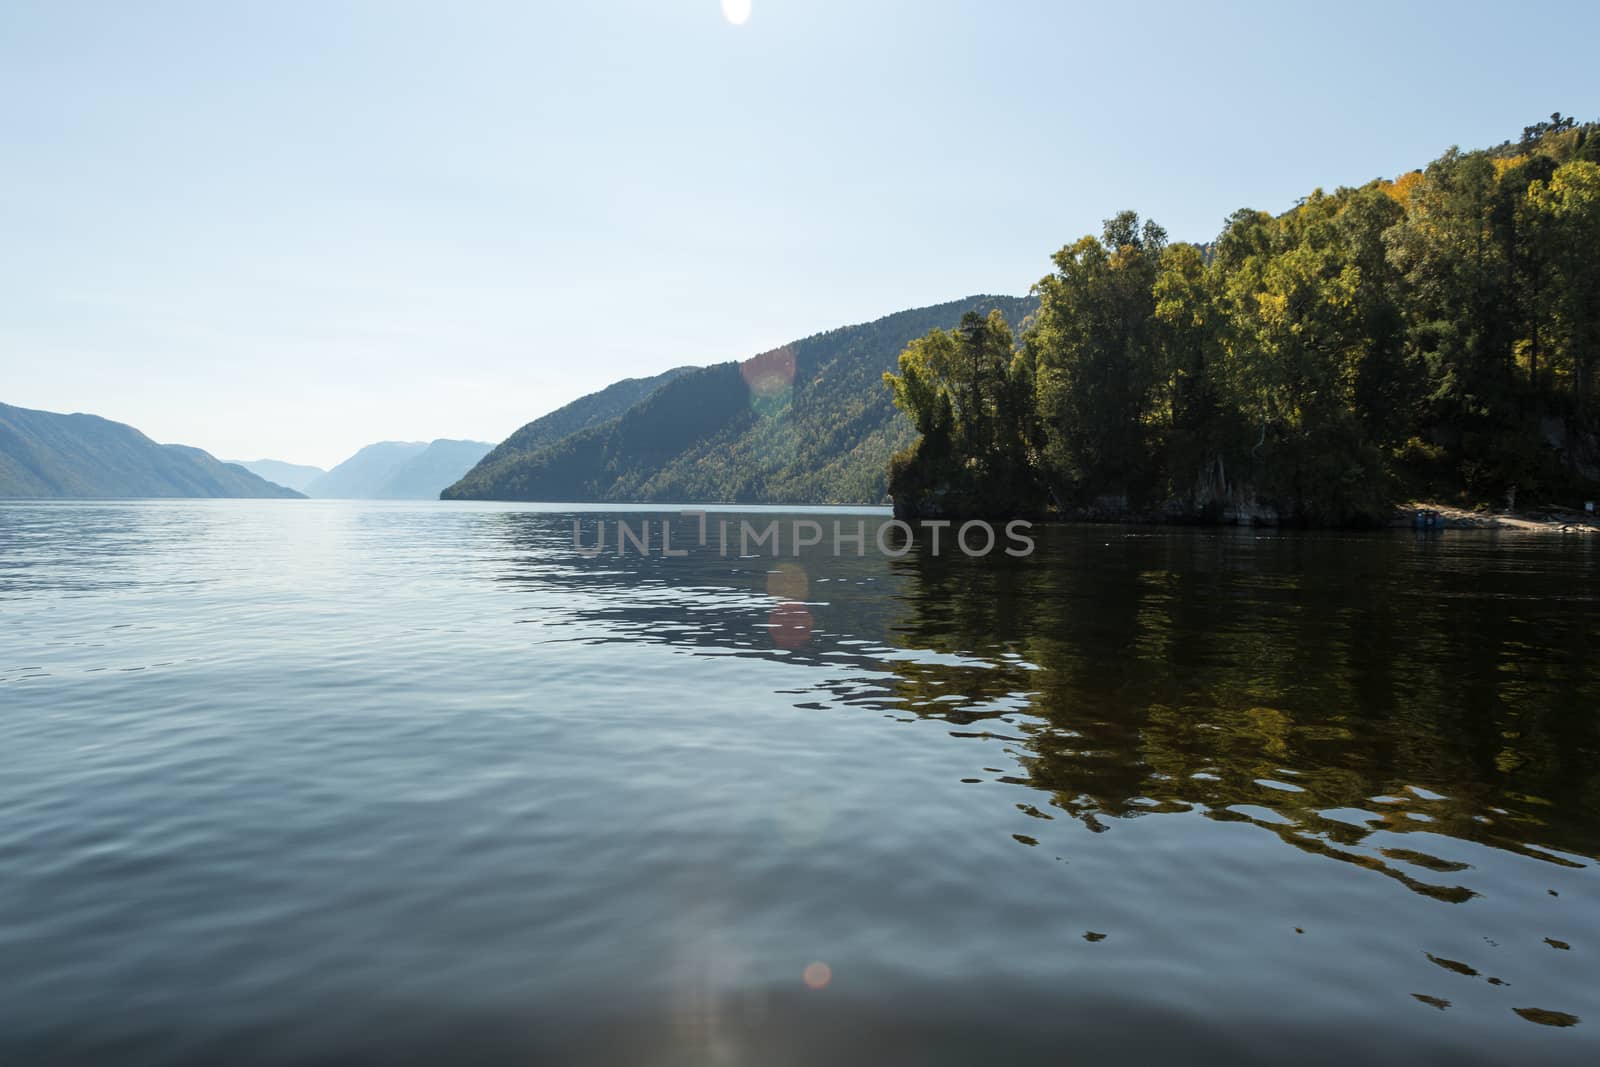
[770,379]
[791,626]
[788,581]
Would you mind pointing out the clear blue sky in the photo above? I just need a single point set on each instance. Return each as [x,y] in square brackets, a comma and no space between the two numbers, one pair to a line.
[289,228]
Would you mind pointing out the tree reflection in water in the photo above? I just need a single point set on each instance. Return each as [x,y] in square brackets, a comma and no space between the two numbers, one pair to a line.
[1318,686]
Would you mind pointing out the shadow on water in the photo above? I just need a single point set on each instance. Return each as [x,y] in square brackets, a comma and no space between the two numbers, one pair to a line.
[1317,686]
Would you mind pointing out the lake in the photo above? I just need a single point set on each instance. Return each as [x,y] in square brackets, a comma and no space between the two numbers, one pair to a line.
[328,782]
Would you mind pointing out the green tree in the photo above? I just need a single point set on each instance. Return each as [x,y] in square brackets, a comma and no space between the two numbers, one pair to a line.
[970,395]
[1093,350]
[1417,333]
[1199,429]
[1569,205]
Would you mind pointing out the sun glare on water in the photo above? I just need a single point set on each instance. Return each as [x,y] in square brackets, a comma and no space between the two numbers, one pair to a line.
[736,11]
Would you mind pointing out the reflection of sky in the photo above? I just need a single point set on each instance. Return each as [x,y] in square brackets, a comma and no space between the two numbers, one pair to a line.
[458,740]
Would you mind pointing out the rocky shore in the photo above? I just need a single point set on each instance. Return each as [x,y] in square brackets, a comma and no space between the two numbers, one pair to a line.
[1540,520]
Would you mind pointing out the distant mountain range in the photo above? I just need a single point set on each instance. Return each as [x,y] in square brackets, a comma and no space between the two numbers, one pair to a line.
[399,470]
[810,422]
[45,454]
[294,475]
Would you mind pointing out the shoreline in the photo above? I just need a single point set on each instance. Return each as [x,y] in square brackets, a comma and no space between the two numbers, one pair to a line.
[1424,516]
[1542,520]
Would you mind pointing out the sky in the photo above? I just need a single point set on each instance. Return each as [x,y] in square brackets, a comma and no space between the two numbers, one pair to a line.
[290,228]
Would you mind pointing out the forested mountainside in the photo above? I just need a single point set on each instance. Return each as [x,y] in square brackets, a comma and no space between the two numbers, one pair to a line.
[808,422]
[586,411]
[1434,335]
[45,454]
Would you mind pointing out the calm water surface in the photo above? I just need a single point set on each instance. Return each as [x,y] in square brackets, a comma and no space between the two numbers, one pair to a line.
[322,782]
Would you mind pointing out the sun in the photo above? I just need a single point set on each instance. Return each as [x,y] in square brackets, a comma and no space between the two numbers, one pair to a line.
[736,11]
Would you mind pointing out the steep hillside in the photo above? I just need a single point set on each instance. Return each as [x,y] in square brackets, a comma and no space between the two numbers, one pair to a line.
[581,414]
[810,422]
[45,454]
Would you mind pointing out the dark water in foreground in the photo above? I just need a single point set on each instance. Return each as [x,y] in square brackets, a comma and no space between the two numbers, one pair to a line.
[318,782]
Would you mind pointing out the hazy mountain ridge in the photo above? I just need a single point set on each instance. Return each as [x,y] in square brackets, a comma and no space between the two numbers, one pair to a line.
[294,476]
[427,474]
[809,422]
[364,473]
[45,454]
[399,470]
